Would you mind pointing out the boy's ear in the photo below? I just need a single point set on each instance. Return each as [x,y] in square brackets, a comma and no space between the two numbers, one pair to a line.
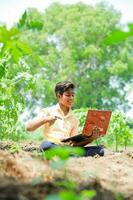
[58,95]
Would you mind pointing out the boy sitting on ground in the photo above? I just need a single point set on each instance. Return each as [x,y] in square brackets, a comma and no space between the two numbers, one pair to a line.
[59,122]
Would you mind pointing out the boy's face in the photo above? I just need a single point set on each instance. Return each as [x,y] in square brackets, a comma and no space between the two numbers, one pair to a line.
[67,98]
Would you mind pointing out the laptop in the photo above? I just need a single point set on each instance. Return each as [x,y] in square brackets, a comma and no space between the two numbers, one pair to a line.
[95,119]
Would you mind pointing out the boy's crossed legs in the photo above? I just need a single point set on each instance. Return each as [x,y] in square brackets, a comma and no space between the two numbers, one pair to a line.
[89,151]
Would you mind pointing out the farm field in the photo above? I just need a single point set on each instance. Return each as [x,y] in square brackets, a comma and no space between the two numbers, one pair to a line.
[26,176]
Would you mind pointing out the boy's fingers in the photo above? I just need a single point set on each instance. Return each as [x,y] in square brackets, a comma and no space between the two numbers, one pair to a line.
[70,143]
[58,117]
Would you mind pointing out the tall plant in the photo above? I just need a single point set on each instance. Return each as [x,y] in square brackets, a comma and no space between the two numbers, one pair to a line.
[13,76]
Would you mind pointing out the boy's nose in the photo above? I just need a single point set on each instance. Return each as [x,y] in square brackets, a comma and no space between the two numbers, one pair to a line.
[71,97]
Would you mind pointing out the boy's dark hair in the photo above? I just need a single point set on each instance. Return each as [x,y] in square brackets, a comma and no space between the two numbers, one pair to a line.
[63,86]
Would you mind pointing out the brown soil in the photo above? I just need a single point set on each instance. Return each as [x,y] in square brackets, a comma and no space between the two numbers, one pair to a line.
[25,176]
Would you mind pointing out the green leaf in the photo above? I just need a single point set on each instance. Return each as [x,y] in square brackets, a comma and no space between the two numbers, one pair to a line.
[71,195]
[7,35]
[24,48]
[87,194]
[22,21]
[16,54]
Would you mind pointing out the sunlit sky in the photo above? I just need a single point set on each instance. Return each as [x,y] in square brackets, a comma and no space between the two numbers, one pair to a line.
[11,10]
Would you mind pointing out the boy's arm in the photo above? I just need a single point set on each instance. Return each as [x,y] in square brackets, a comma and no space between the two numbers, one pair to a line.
[32,125]
[93,136]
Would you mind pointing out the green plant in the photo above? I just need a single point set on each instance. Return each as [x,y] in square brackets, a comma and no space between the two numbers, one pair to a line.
[13,76]
[119,132]
[15,148]
[63,152]
[81,115]
[72,195]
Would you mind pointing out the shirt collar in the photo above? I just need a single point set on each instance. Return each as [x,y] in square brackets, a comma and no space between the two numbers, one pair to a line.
[70,113]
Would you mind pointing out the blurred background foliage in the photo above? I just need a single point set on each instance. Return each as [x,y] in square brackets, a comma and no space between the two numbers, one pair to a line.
[83,43]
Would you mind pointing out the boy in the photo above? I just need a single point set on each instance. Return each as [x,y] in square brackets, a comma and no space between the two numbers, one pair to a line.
[59,121]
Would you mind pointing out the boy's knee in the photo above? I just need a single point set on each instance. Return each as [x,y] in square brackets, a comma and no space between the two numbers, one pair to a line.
[101,151]
[92,151]
[46,145]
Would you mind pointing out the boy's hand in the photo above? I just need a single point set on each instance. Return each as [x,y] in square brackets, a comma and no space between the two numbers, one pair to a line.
[69,143]
[95,132]
[51,119]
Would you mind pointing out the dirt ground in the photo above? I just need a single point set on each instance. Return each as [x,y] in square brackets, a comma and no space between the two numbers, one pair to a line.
[24,175]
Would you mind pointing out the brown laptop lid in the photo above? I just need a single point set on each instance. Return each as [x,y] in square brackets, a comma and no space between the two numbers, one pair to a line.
[97,118]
